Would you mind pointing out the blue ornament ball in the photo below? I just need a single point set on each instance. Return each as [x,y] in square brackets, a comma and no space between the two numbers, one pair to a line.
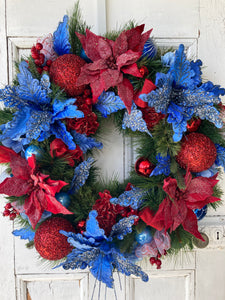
[149,50]
[84,56]
[200,213]
[32,149]
[63,198]
[144,237]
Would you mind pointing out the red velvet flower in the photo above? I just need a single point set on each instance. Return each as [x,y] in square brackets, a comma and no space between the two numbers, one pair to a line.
[106,211]
[111,60]
[88,124]
[177,208]
[151,117]
[59,149]
[27,180]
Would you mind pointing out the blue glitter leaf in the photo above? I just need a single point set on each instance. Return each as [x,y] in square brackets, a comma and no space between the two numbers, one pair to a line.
[29,89]
[126,267]
[65,109]
[163,166]
[215,89]
[38,122]
[123,227]
[81,174]
[85,142]
[181,70]
[133,198]
[168,59]
[178,117]
[196,67]
[10,98]
[109,103]
[25,233]
[59,130]
[45,83]
[92,227]
[134,121]
[102,268]
[17,127]
[220,159]
[61,42]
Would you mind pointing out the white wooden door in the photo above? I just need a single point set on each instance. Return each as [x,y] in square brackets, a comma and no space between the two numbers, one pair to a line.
[199,24]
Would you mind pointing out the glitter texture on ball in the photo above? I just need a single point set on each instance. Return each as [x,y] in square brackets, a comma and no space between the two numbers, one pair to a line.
[64,72]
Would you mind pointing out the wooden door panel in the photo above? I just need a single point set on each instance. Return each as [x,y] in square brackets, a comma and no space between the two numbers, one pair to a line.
[199,25]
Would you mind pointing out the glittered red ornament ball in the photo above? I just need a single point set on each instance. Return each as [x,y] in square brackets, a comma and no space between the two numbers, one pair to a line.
[144,167]
[51,244]
[198,152]
[64,72]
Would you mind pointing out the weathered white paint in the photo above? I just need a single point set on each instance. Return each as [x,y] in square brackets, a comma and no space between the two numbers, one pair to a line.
[174,19]
[7,282]
[200,26]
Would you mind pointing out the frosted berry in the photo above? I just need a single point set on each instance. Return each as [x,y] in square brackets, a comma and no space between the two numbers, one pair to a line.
[6,213]
[12,216]
[49,62]
[8,205]
[37,62]
[39,46]
[152,260]
[39,70]
[46,68]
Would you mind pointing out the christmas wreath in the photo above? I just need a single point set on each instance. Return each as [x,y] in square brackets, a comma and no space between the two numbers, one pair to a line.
[54,114]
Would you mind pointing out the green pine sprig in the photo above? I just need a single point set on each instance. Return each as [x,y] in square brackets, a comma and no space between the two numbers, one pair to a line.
[76,24]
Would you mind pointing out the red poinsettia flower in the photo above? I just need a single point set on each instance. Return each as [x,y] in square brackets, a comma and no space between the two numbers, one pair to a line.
[111,60]
[177,208]
[59,149]
[27,180]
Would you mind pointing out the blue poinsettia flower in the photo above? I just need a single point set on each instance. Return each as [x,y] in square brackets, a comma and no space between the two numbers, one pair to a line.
[95,250]
[36,116]
[181,95]
[163,166]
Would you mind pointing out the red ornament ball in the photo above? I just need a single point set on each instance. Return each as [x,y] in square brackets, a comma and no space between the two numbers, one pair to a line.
[51,244]
[64,72]
[198,152]
[144,167]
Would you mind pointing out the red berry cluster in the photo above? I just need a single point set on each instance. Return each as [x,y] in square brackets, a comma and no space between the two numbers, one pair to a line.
[126,212]
[10,211]
[39,58]
[156,260]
